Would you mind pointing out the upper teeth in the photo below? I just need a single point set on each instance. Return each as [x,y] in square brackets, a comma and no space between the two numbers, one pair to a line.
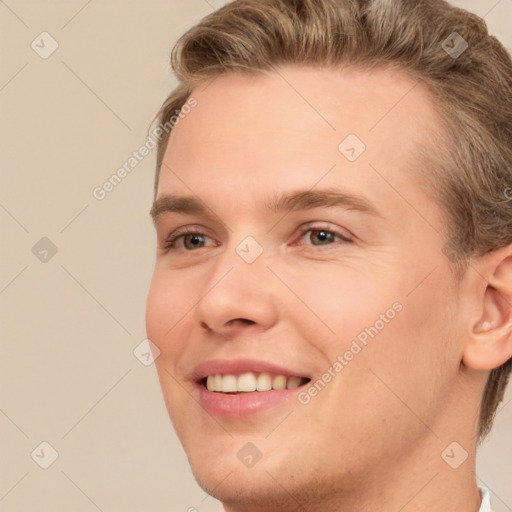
[248,382]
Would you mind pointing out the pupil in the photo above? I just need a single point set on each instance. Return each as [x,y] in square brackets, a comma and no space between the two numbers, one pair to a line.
[194,240]
[323,235]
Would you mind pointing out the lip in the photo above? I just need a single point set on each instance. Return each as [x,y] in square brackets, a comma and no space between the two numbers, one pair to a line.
[242,405]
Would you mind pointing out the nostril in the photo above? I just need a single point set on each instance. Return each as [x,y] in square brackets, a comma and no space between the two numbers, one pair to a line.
[243,320]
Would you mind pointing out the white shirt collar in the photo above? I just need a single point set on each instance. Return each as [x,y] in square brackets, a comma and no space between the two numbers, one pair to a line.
[484,507]
[486,500]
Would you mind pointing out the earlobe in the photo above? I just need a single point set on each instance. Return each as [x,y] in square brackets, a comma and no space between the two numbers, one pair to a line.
[489,341]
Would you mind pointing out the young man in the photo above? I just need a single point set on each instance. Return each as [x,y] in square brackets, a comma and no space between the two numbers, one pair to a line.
[332,296]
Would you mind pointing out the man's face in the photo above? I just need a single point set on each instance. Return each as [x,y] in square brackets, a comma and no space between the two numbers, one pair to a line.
[362,283]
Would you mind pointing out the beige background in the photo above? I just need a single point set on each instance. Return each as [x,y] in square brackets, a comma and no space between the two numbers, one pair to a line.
[69,325]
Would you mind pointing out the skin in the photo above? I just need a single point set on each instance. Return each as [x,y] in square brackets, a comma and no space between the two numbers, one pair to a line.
[372,438]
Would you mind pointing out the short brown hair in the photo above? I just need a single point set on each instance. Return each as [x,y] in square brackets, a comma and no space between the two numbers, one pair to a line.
[472,165]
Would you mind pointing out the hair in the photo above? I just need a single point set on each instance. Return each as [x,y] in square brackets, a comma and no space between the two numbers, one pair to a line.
[471,169]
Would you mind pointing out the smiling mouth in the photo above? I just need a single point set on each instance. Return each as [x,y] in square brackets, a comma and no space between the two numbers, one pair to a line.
[251,382]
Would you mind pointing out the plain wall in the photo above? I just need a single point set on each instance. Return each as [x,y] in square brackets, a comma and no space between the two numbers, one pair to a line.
[70,324]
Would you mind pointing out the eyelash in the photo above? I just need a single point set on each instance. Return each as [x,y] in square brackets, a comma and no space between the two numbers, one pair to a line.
[190,230]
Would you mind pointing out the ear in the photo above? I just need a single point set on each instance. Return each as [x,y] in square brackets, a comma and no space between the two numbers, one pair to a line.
[489,341]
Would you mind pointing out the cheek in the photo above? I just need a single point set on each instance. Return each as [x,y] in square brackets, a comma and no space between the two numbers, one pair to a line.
[166,305]
[386,331]
[410,364]
[157,309]
[168,302]
[342,304]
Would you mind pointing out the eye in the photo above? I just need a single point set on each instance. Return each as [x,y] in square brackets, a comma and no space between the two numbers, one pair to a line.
[191,238]
[322,236]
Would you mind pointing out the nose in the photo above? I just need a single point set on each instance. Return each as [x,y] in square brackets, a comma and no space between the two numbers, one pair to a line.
[238,297]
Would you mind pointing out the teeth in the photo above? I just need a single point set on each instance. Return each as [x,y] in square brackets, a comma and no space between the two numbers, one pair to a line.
[229,384]
[293,382]
[264,382]
[249,382]
[279,382]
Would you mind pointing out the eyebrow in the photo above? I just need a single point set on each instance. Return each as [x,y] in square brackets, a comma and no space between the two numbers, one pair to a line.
[298,200]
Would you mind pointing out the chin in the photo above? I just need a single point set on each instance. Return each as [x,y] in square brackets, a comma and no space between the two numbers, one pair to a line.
[253,489]
[273,488]
[238,466]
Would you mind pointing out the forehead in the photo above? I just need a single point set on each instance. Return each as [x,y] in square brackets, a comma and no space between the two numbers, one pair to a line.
[298,126]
